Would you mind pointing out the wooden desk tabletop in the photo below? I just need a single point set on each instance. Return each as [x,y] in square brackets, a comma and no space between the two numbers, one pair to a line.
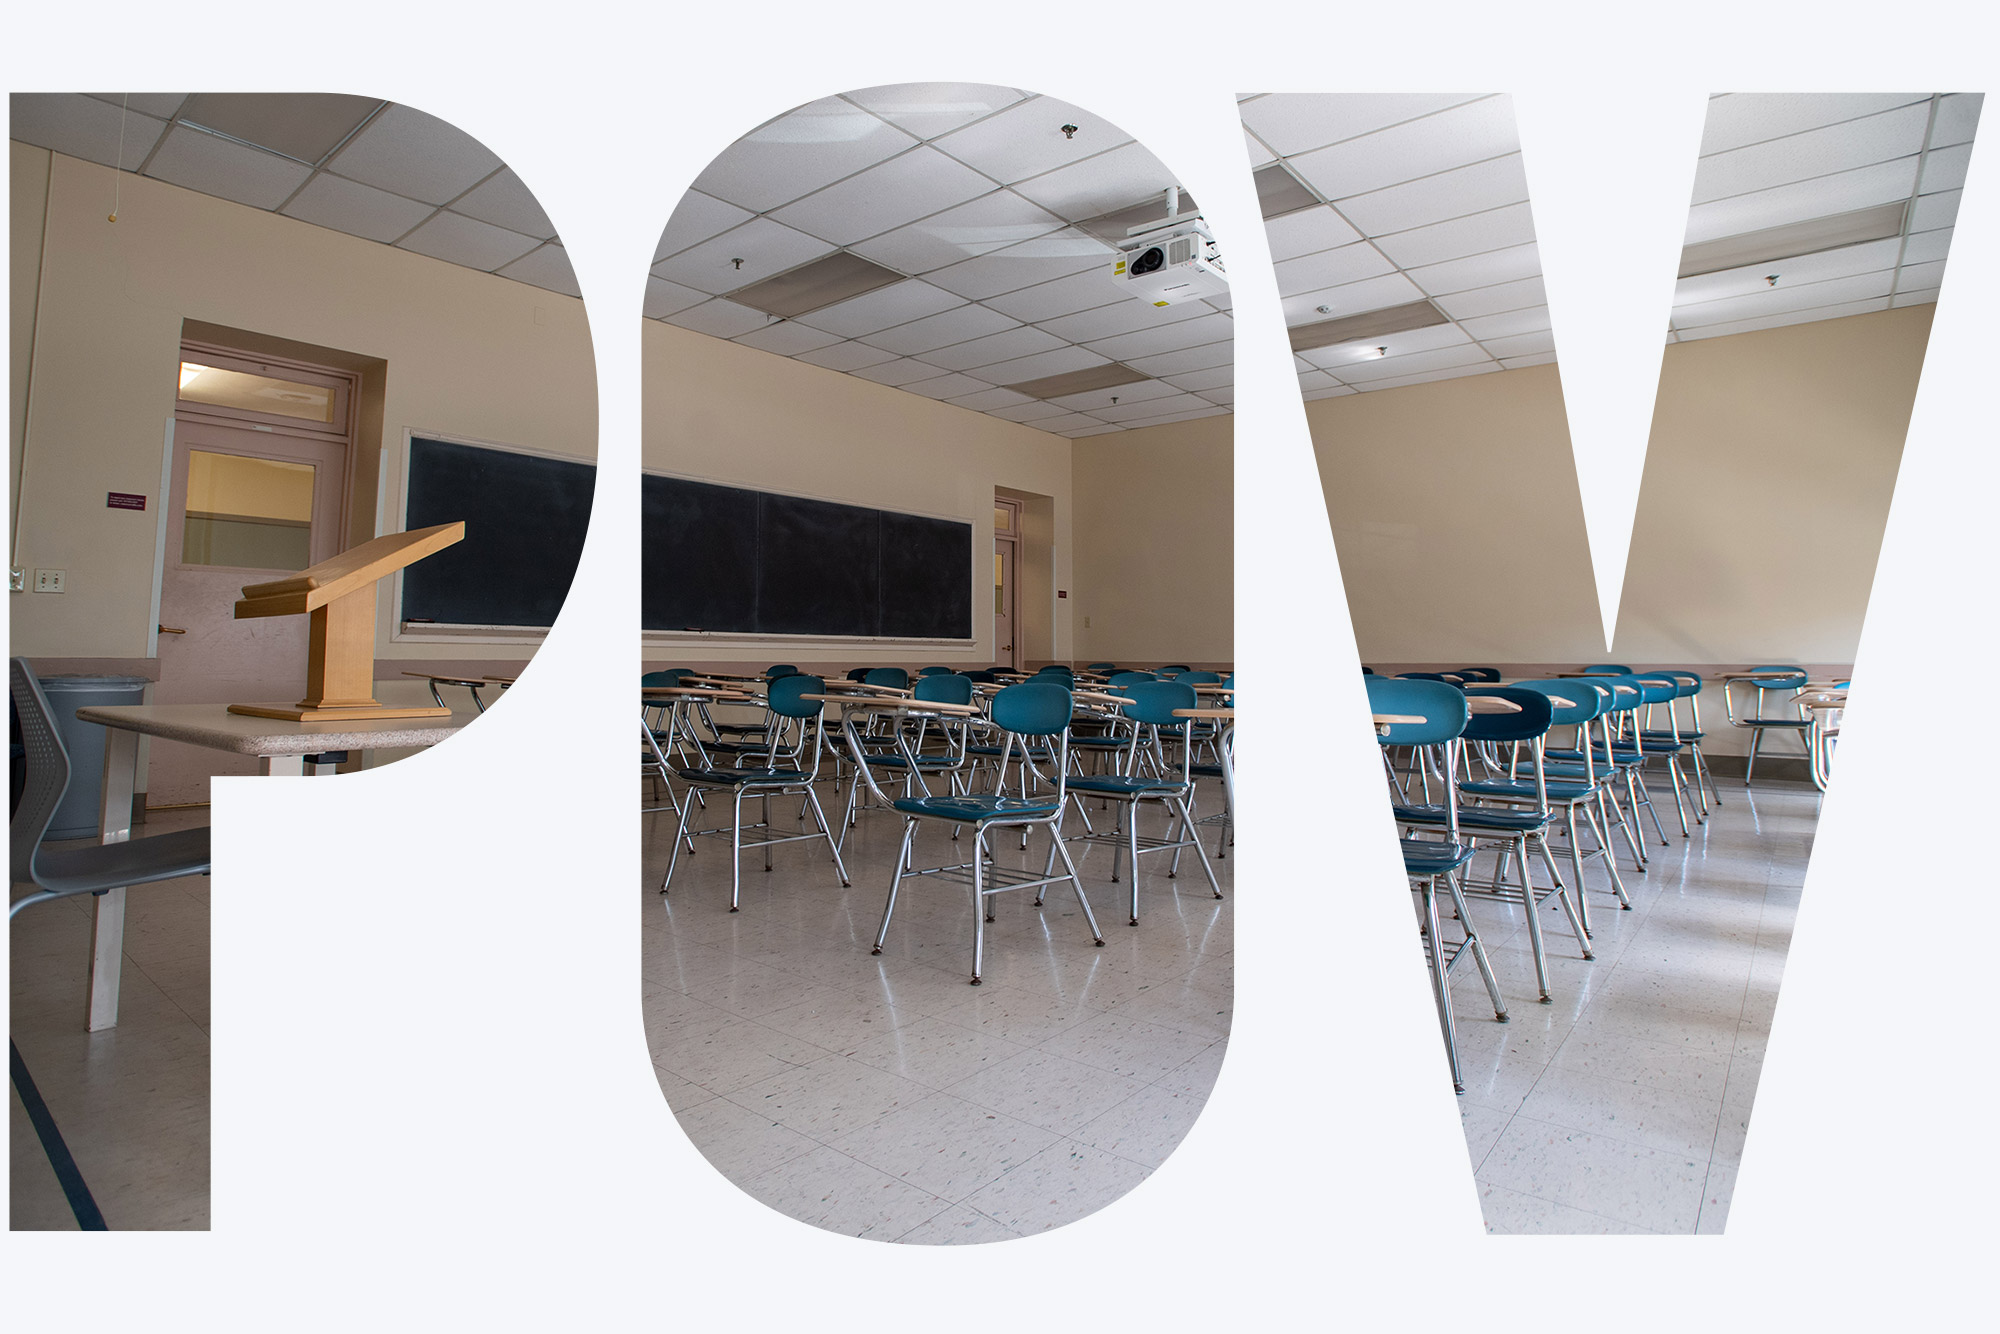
[212,726]
[696,692]
[896,702]
[1205,713]
[472,683]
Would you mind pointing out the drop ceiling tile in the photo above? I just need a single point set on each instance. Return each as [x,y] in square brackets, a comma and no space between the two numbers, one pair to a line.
[1127,411]
[883,308]
[1306,231]
[1933,211]
[1315,395]
[1507,323]
[226,170]
[504,201]
[1027,139]
[664,298]
[1030,411]
[1736,120]
[1450,194]
[1297,122]
[546,266]
[797,153]
[1391,289]
[1077,433]
[788,338]
[1058,361]
[1805,296]
[1066,422]
[917,184]
[927,110]
[1087,289]
[1212,410]
[1224,301]
[1055,255]
[1429,377]
[162,105]
[1215,377]
[696,218]
[1538,359]
[766,248]
[1259,154]
[1522,345]
[1225,397]
[1311,380]
[901,371]
[1127,316]
[304,127]
[992,400]
[1493,300]
[1754,278]
[1843,192]
[847,356]
[1925,246]
[1004,346]
[1944,169]
[1915,277]
[1331,268]
[1783,319]
[948,386]
[1098,401]
[720,318]
[82,127]
[941,330]
[409,153]
[1495,229]
[1445,141]
[992,222]
[467,241]
[1815,153]
[1957,118]
[358,210]
[1114,180]
[1429,339]
[1201,358]
[1166,338]
[1922,298]
[1493,267]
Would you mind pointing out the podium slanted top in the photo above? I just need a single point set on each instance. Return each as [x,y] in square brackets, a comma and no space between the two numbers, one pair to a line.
[349,572]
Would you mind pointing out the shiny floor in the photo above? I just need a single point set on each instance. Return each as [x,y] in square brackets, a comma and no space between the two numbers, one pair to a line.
[1623,1105]
[884,1096]
[132,1101]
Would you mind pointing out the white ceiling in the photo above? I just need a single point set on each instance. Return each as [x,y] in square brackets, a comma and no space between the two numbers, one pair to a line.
[968,191]
[1423,196]
[374,169]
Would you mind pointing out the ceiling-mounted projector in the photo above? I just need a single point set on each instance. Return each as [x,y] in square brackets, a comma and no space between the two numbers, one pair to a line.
[1164,263]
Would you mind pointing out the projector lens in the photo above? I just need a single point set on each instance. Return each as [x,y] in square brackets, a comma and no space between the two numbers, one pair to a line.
[1152,259]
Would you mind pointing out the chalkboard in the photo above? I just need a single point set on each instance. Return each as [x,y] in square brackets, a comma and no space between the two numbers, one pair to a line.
[723,558]
[525,519]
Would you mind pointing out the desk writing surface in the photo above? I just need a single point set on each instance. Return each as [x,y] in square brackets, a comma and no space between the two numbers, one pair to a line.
[214,727]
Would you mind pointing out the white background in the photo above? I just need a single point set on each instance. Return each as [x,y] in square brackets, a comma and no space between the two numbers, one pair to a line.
[432,1099]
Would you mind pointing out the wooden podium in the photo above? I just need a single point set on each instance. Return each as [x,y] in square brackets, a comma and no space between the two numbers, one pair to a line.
[340,596]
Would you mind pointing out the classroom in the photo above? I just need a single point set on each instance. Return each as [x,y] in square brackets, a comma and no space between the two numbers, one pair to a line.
[347,248]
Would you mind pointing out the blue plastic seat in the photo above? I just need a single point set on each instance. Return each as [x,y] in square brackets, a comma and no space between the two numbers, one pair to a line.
[1031,716]
[1778,688]
[1442,709]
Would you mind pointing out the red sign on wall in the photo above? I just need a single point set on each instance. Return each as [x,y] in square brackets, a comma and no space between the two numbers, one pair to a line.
[123,500]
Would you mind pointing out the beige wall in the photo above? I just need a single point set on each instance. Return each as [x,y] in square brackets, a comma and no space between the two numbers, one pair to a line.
[721,412]
[459,353]
[1155,544]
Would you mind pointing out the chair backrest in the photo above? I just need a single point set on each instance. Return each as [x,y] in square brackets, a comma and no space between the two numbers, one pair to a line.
[1448,678]
[1794,678]
[857,674]
[1154,702]
[784,696]
[1103,667]
[1690,683]
[1199,679]
[1536,716]
[1175,670]
[934,671]
[1033,708]
[1055,669]
[1657,687]
[1586,699]
[947,689]
[1478,673]
[47,770]
[1441,705]
[888,676]
[1608,669]
[670,677]
[781,669]
[983,675]
[1120,680]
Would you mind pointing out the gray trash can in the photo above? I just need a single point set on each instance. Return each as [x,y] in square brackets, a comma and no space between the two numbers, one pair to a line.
[78,815]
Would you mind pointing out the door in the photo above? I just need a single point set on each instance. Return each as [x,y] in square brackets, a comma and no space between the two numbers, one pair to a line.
[1006,539]
[248,504]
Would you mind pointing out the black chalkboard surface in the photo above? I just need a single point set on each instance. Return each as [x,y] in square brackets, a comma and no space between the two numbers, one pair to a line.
[525,519]
[723,558]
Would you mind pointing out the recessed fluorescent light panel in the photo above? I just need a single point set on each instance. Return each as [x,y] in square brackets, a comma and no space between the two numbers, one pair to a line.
[813,286]
[1078,382]
[1367,324]
[1279,192]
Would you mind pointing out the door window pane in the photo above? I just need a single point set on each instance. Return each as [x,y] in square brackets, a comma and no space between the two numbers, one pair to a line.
[255,393]
[247,512]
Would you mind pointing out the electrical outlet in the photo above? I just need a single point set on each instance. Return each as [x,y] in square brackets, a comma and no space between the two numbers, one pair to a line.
[49,581]
[17,579]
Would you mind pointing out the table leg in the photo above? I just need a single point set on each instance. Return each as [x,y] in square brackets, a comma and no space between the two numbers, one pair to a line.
[284,766]
[107,933]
